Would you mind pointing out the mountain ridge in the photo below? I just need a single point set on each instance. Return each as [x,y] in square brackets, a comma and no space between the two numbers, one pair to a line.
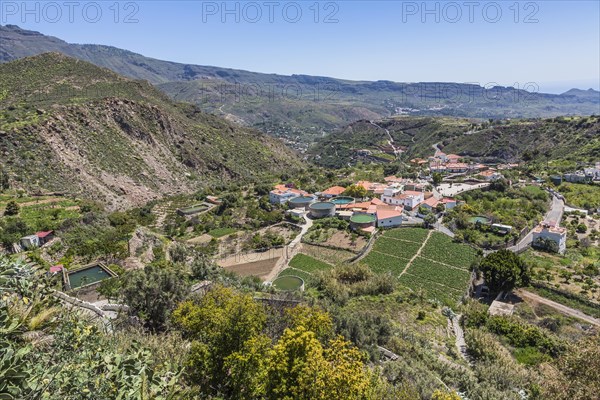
[301,108]
[99,135]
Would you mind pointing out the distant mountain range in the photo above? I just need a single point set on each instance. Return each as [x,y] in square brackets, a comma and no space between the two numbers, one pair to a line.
[70,126]
[302,108]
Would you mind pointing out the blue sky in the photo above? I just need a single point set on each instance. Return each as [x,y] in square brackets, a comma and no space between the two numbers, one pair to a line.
[554,44]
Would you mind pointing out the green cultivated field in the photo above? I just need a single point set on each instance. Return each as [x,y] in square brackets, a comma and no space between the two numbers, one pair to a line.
[381,263]
[396,247]
[442,269]
[304,266]
[307,263]
[442,249]
[416,235]
[220,232]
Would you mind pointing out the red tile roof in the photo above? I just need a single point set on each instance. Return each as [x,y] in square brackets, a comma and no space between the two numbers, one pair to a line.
[457,165]
[335,190]
[385,214]
[431,202]
[42,235]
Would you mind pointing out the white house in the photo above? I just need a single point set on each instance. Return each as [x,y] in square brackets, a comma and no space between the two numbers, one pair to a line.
[593,174]
[387,218]
[389,194]
[449,203]
[457,167]
[491,175]
[412,199]
[555,233]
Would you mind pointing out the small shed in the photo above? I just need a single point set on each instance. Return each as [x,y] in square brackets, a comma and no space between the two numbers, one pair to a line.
[502,229]
[30,242]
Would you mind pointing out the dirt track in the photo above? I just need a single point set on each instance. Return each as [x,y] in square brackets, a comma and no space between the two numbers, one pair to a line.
[558,307]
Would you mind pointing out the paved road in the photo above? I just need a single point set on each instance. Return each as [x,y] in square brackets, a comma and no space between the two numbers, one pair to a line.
[438,226]
[559,307]
[554,215]
[556,211]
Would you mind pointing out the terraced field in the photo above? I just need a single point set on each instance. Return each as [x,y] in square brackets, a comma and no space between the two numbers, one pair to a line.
[439,266]
[304,266]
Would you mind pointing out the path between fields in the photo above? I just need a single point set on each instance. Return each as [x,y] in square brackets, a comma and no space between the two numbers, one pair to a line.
[40,202]
[417,254]
[292,250]
[571,312]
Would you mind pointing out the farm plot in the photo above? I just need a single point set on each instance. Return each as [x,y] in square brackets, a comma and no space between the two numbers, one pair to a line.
[381,263]
[308,263]
[396,248]
[433,290]
[416,235]
[303,266]
[441,248]
[330,256]
[442,268]
[450,277]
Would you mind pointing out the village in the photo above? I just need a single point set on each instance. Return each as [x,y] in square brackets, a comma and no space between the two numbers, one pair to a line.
[367,208]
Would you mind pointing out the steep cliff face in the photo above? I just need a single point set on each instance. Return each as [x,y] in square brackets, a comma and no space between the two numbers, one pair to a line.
[122,150]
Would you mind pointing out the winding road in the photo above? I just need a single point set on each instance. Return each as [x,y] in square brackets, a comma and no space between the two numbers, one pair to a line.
[390,139]
[571,312]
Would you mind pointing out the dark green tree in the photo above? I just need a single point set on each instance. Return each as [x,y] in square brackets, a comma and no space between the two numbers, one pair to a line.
[153,293]
[12,208]
[504,271]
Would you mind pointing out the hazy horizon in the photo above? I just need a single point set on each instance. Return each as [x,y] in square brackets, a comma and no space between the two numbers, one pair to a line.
[555,45]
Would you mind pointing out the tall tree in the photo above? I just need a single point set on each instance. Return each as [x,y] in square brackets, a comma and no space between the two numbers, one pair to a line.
[504,270]
[356,191]
[221,324]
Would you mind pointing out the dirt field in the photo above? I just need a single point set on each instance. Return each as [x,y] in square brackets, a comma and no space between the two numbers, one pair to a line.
[250,257]
[202,239]
[257,268]
[342,239]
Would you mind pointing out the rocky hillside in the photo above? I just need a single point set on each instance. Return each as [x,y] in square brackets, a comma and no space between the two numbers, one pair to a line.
[69,126]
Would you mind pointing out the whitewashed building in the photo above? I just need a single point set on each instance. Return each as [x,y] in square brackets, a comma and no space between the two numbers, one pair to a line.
[551,232]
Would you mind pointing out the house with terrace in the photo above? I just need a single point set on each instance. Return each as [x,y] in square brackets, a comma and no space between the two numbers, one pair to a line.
[457,168]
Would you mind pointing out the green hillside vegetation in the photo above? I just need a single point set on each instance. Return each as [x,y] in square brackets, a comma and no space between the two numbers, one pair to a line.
[548,141]
[560,138]
[581,195]
[71,127]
